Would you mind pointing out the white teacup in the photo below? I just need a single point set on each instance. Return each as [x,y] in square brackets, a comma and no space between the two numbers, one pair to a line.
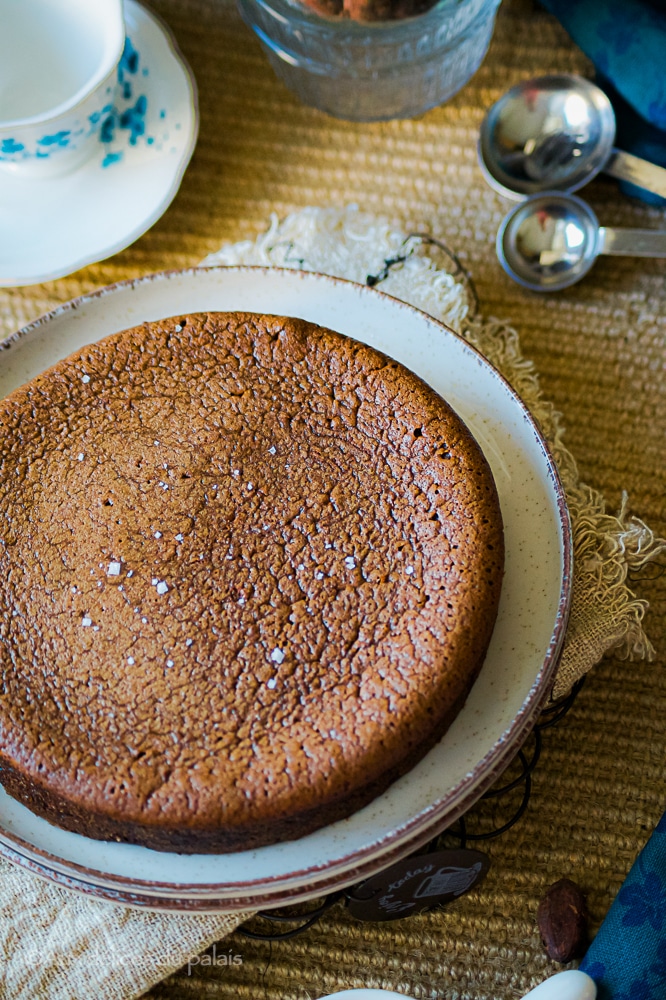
[58,76]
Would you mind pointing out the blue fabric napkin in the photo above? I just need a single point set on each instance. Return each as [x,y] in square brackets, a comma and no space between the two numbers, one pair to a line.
[626,41]
[627,959]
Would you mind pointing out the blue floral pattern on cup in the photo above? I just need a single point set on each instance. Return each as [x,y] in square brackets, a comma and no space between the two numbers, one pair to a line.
[10,146]
[65,134]
[50,128]
[120,121]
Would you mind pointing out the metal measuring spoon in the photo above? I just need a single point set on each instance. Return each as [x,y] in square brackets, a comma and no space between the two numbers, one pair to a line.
[551,240]
[556,133]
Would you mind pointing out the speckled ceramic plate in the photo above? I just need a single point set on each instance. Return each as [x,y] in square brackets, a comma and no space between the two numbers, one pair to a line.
[518,671]
[49,227]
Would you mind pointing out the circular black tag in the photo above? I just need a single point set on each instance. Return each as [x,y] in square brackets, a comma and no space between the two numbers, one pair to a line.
[417,884]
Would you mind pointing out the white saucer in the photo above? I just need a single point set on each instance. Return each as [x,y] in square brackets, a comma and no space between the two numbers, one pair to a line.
[50,227]
[519,667]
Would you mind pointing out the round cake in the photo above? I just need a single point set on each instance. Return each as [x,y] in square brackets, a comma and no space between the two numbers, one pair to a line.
[249,570]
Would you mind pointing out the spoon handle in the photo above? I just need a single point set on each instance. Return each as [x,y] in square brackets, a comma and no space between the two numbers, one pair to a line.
[627,167]
[632,242]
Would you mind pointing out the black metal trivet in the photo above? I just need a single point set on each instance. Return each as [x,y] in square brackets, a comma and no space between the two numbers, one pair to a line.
[459,834]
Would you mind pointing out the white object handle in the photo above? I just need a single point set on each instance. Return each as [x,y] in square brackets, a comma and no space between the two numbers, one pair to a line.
[366,995]
[569,985]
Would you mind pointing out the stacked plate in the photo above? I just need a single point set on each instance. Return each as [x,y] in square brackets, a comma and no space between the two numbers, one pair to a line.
[518,672]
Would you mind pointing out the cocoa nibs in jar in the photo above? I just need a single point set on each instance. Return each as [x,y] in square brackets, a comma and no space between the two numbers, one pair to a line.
[370,10]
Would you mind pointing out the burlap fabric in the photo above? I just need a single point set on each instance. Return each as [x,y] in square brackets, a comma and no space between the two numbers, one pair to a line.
[598,349]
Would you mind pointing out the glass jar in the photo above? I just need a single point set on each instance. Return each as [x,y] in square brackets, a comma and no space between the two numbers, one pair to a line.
[373,70]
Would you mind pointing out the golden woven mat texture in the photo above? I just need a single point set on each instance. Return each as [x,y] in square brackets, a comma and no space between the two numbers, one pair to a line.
[599,348]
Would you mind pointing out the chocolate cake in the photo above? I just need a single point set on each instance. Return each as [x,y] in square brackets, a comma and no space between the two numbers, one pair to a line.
[249,570]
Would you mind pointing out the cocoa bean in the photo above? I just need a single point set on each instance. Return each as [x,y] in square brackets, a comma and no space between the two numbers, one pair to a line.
[562,920]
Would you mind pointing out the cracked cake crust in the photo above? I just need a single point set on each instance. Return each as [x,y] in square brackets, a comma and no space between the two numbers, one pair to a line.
[249,570]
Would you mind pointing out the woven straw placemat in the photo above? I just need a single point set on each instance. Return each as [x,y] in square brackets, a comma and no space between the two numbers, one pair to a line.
[599,350]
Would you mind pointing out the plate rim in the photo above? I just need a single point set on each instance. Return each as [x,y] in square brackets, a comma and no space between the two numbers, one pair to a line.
[243,895]
[103,253]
